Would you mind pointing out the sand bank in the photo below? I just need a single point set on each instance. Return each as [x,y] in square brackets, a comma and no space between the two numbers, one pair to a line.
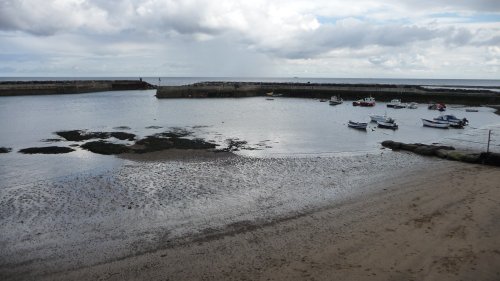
[436,220]
[178,154]
[392,216]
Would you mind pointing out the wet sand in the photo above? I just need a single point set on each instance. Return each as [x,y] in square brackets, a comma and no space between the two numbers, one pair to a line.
[410,218]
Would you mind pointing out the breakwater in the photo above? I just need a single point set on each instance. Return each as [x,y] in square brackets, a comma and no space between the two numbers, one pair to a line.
[381,92]
[22,88]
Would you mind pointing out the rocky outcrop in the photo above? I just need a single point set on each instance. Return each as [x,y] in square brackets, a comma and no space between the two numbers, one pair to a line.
[82,135]
[446,152]
[46,150]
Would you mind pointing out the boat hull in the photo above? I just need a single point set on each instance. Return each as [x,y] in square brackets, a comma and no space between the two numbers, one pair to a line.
[435,124]
[386,125]
[357,125]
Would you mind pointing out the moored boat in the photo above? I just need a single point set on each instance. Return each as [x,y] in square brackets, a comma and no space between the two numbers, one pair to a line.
[334,100]
[412,105]
[435,124]
[369,101]
[437,106]
[357,125]
[452,120]
[396,103]
[387,125]
[381,118]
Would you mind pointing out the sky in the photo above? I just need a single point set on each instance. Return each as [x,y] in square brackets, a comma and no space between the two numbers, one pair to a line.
[452,39]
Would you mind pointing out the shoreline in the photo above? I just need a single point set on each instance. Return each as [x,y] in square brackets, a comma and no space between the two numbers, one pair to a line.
[409,229]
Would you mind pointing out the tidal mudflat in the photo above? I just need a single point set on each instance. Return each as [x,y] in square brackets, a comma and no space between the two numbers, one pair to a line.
[142,206]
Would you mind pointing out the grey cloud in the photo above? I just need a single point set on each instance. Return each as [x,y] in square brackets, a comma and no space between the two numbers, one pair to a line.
[491,6]
[330,37]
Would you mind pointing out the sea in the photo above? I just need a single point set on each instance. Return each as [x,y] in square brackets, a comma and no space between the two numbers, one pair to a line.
[283,127]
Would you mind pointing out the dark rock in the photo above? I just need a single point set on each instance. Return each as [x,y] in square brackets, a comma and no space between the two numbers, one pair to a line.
[154,143]
[235,145]
[122,128]
[80,135]
[123,136]
[182,143]
[51,140]
[441,153]
[106,148]
[391,144]
[176,133]
[426,150]
[160,142]
[5,149]
[471,158]
[388,143]
[409,147]
[154,127]
[489,158]
[46,150]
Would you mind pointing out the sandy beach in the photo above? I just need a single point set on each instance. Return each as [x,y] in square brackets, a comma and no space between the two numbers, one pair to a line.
[413,218]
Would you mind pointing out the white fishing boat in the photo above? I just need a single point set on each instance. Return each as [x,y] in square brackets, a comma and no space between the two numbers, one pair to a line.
[364,102]
[334,100]
[412,105]
[381,118]
[396,103]
[435,124]
[357,125]
[452,120]
[387,125]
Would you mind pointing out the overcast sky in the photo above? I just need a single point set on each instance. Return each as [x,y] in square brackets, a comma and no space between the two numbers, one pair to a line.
[253,38]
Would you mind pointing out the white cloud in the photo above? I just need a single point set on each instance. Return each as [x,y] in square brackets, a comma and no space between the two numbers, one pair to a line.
[323,37]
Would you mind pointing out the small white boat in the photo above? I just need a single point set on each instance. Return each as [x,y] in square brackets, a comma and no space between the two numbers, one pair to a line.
[387,125]
[412,105]
[381,118]
[437,106]
[357,125]
[364,102]
[334,100]
[396,103]
[452,120]
[435,124]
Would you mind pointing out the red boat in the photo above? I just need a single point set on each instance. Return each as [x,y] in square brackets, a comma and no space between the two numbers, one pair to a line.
[364,102]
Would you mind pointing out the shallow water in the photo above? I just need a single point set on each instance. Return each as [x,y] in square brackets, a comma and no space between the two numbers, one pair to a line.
[281,127]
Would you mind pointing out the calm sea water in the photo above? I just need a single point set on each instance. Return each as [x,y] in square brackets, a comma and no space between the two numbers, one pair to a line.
[282,127]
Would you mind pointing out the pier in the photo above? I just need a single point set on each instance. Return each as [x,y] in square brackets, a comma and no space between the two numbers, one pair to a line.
[381,92]
[23,88]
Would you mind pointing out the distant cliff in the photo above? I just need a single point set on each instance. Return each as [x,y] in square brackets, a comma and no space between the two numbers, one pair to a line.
[21,88]
[380,92]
